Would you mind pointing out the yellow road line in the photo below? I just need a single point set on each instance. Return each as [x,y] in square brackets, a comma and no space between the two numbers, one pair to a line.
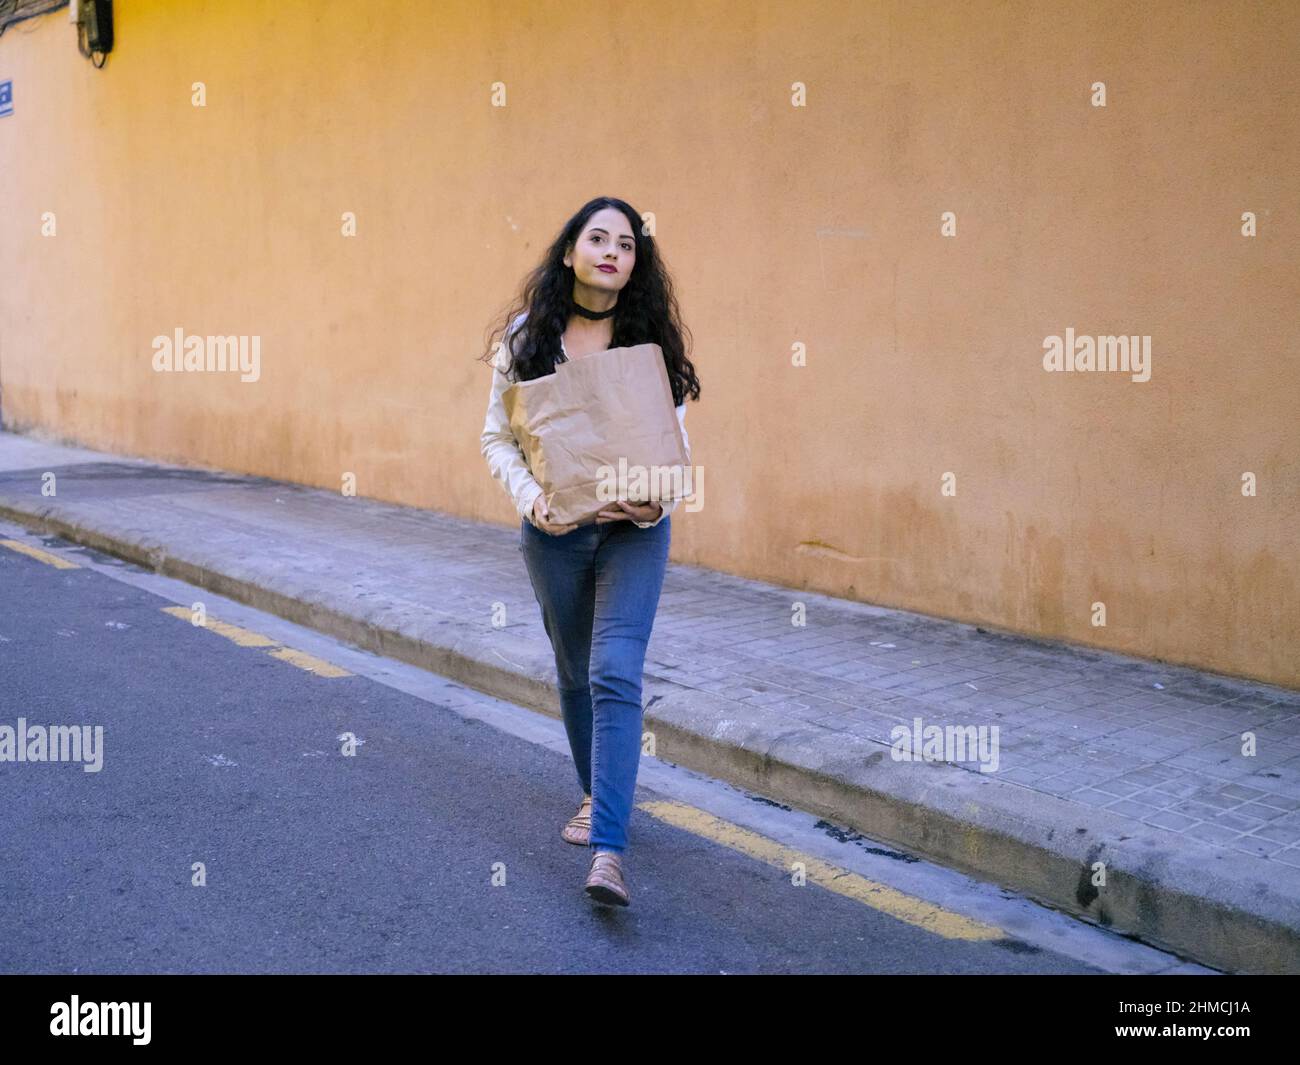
[887,900]
[243,637]
[249,638]
[310,663]
[39,555]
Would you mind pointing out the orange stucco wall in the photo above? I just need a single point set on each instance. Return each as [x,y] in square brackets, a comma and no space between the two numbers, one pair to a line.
[817,225]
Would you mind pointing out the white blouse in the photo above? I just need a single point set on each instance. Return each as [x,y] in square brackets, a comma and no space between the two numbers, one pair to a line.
[505,457]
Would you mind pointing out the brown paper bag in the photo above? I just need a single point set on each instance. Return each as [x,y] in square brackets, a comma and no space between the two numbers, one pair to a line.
[576,425]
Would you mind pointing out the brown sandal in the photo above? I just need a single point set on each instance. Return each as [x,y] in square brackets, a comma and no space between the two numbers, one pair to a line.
[578,829]
[605,880]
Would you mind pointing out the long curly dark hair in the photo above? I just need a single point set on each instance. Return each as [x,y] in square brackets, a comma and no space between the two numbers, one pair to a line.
[647,308]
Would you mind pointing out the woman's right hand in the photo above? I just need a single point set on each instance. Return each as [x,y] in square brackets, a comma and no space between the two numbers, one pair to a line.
[540,515]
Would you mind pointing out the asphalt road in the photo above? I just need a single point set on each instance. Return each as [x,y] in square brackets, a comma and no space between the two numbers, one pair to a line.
[433,847]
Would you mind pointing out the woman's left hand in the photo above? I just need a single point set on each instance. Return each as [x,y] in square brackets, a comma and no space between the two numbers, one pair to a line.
[620,510]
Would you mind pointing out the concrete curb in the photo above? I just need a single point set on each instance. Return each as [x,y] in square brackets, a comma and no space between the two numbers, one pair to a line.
[1230,911]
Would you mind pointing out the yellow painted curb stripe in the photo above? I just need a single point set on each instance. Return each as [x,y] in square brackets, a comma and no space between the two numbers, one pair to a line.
[249,638]
[39,555]
[243,637]
[887,900]
[310,663]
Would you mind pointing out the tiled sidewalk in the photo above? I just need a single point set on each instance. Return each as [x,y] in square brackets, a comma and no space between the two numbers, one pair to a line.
[1158,744]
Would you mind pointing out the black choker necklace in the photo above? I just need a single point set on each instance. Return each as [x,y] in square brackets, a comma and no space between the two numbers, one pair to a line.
[595,316]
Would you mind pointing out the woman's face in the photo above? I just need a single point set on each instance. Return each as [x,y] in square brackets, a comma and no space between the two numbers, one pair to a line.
[605,251]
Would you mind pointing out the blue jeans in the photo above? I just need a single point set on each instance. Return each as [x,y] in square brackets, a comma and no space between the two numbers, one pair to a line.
[598,587]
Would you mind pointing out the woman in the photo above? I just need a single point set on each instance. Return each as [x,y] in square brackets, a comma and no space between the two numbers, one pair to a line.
[601,285]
